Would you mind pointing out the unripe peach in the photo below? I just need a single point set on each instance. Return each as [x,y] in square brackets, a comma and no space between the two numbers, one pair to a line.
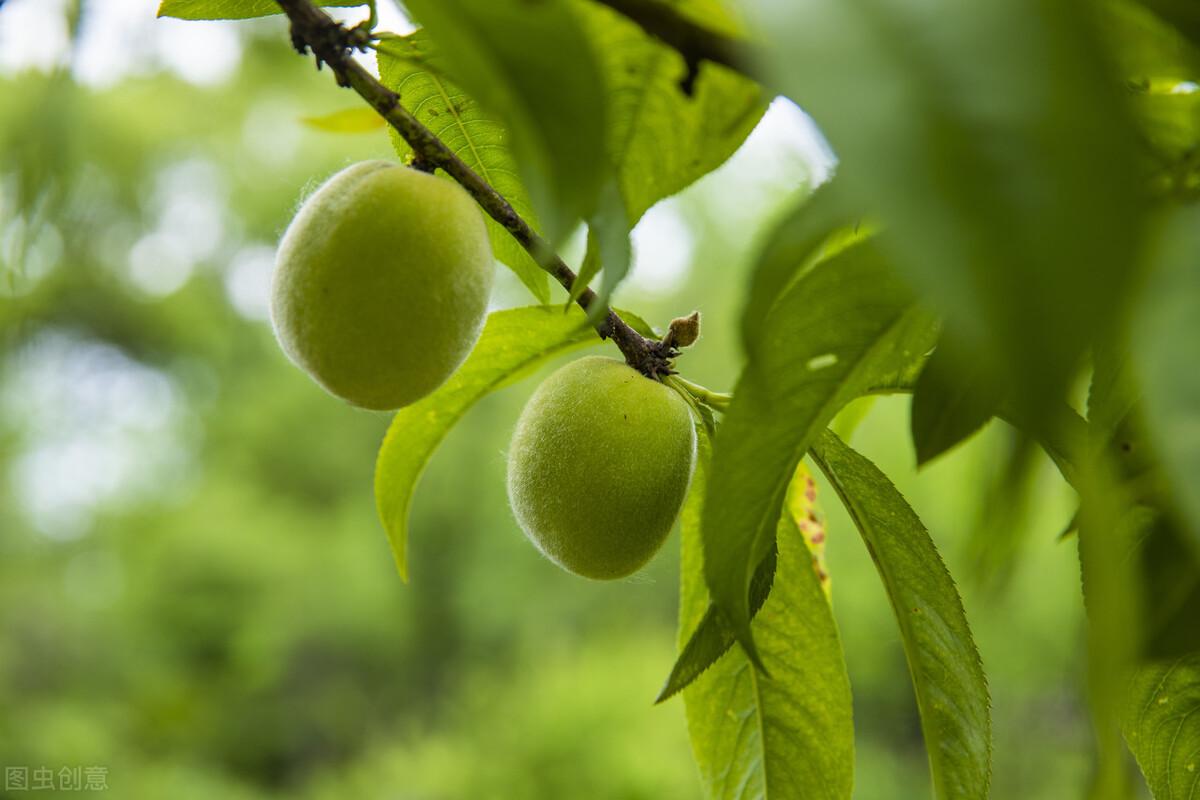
[381,284]
[599,466]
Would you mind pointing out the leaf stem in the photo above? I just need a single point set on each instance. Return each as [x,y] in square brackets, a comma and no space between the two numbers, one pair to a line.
[333,44]
[718,401]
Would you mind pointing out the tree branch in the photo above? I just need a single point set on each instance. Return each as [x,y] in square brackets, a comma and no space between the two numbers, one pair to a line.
[333,45]
[692,40]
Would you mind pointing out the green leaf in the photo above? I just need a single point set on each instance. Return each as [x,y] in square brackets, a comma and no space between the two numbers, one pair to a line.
[789,736]
[613,245]
[659,139]
[1166,330]
[1169,577]
[1162,726]
[844,326]
[982,159]
[1183,15]
[508,55]
[953,399]
[712,637]
[513,343]
[588,269]
[951,689]
[1156,61]
[361,119]
[804,237]
[233,9]
[411,66]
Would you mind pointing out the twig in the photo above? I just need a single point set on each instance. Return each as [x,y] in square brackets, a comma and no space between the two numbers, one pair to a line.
[333,45]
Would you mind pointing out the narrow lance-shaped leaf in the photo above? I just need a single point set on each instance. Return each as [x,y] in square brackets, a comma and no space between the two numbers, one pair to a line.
[513,343]
[952,400]
[712,637]
[412,67]
[1162,726]
[233,9]
[846,324]
[951,689]
[787,736]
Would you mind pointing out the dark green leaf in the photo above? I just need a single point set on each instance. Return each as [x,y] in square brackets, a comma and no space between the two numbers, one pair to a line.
[787,736]
[508,55]
[1169,576]
[1166,330]
[953,399]
[1162,726]
[411,66]
[232,9]
[513,343]
[1183,15]
[951,689]
[844,326]
[981,157]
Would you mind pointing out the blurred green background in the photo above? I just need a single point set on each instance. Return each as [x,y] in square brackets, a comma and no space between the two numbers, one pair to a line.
[194,590]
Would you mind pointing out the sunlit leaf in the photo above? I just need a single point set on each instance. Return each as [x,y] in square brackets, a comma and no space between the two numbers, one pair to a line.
[790,735]
[232,9]
[513,343]
[952,693]
[659,138]
[1162,726]
[411,66]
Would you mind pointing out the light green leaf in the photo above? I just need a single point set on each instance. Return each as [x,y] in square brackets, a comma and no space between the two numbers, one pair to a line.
[787,736]
[982,159]
[411,66]
[1162,726]
[508,55]
[513,343]
[712,637]
[1166,330]
[659,139]
[844,326]
[232,9]
[951,689]
[361,119]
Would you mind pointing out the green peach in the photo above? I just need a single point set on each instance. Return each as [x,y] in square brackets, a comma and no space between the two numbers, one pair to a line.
[381,284]
[599,466]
